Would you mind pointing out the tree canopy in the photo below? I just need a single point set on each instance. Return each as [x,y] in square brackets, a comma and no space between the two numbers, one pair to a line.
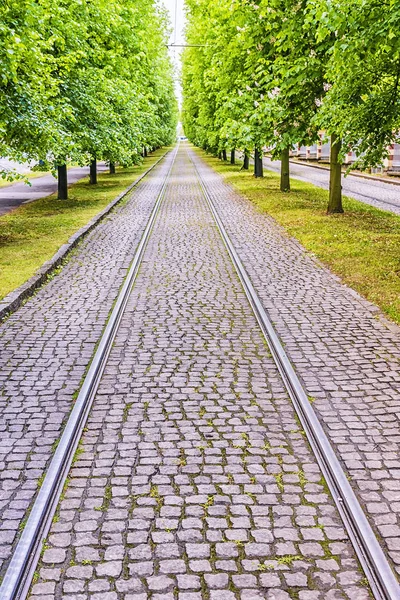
[82,79]
[275,72]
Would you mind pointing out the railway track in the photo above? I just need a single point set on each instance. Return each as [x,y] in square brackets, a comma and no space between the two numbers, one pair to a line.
[17,580]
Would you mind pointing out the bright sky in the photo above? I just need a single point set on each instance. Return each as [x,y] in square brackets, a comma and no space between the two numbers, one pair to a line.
[175,8]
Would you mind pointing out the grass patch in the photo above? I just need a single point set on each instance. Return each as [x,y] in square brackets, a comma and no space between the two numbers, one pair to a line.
[34,232]
[362,246]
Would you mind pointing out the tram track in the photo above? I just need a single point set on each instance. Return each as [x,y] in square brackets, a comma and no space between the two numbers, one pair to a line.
[377,569]
[18,577]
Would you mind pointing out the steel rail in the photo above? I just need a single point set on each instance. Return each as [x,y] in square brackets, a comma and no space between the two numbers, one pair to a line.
[18,577]
[381,578]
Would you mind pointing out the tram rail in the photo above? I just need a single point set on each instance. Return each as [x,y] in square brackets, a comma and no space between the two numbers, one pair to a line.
[377,569]
[18,577]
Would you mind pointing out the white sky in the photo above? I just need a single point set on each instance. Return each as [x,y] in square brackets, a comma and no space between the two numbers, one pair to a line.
[175,8]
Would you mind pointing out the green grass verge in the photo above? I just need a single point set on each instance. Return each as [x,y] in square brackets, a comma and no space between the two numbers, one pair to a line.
[34,232]
[362,246]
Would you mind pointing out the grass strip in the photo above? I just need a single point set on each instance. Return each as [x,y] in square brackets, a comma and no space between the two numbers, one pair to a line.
[31,234]
[362,246]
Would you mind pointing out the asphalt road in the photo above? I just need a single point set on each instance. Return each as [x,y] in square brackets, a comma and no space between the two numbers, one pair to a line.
[380,194]
[19,193]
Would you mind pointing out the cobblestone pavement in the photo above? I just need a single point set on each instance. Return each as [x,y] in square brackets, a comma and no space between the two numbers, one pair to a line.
[344,349]
[193,480]
[46,345]
[377,193]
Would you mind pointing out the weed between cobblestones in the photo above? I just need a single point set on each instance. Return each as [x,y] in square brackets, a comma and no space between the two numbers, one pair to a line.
[258,437]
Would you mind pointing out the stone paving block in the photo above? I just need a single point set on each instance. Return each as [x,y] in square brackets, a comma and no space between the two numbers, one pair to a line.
[342,347]
[48,343]
[192,455]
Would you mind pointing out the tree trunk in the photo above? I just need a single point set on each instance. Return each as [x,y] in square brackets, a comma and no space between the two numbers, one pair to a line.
[285,177]
[93,171]
[233,156]
[62,182]
[258,164]
[335,179]
[223,154]
[220,155]
[246,160]
[112,168]
[145,151]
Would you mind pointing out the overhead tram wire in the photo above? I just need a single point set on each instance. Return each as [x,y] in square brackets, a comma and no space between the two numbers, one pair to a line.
[176,17]
[186,45]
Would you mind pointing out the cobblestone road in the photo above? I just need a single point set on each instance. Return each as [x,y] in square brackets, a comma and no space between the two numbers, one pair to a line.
[46,345]
[377,193]
[344,349]
[193,480]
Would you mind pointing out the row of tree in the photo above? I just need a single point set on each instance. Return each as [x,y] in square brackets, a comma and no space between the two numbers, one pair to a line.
[275,72]
[84,80]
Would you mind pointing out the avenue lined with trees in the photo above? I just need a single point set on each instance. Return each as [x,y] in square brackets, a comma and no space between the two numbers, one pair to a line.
[82,81]
[275,73]
[199,369]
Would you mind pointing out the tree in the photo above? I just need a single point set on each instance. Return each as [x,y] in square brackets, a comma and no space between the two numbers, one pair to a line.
[362,104]
[100,86]
[242,90]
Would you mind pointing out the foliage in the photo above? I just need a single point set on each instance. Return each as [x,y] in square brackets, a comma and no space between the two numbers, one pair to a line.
[363,71]
[275,72]
[242,88]
[84,78]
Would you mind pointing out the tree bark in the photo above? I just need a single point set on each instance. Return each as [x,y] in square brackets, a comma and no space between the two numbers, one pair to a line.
[112,168]
[335,178]
[258,165]
[233,156]
[62,182]
[93,171]
[285,173]
[223,154]
[246,160]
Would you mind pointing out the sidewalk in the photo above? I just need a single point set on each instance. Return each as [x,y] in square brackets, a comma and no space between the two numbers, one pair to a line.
[394,180]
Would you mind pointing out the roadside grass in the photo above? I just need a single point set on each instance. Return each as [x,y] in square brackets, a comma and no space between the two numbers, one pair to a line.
[362,245]
[31,234]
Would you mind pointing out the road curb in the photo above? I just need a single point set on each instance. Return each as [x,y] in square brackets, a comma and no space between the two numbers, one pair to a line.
[10,303]
[360,175]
